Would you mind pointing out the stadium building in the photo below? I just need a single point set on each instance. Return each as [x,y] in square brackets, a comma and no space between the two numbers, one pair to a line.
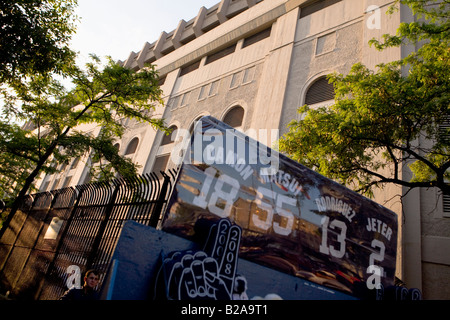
[252,64]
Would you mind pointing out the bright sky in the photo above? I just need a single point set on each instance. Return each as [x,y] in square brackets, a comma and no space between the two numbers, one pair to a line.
[117,27]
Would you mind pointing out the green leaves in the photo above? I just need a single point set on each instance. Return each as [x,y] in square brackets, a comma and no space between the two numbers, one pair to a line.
[117,92]
[379,116]
[102,97]
[435,24]
[34,52]
[17,156]
[34,38]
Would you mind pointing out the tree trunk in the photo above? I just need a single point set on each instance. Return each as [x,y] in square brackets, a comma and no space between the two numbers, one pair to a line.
[28,182]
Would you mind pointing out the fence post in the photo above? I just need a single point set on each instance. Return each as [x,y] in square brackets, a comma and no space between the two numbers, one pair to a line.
[156,214]
[6,225]
[61,241]
[102,228]
[55,197]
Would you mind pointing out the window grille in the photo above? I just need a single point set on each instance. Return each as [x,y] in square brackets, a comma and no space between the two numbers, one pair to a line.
[319,91]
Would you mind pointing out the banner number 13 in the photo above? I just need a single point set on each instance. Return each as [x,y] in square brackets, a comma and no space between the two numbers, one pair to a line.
[341,236]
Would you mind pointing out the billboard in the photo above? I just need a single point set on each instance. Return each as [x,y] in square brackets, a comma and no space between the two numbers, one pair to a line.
[290,218]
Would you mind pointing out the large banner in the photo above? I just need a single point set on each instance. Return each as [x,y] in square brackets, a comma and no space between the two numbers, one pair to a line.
[290,218]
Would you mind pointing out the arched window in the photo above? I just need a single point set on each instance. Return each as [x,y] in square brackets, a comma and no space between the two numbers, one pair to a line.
[191,128]
[234,117]
[161,163]
[319,91]
[132,146]
[170,138]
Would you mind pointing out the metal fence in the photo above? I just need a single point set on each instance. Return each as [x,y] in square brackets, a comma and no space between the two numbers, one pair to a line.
[77,226]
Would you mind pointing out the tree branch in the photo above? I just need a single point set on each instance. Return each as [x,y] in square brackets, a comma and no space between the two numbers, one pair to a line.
[404,149]
[21,155]
[394,159]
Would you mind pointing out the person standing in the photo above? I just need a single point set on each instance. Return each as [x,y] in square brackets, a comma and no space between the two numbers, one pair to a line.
[89,289]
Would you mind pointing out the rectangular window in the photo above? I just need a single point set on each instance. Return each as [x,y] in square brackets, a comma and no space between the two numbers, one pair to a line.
[174,102]
[185,99]
[235,78]
[67,182]
[257,37]
[249,75]
[316,6]
[75,163]
[188,69]
[44,186]
[55,184]
[221,54]
[209,90]
[87,178]
[326,43]
[203,91]
[63,167]
[214,89]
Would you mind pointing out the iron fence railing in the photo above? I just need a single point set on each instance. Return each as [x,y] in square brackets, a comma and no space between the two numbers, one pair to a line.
[77,226]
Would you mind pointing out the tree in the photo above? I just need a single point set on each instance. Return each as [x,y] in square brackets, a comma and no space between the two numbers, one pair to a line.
[14,167]
[103,97]
[34,36]
[378,117]
[34,52]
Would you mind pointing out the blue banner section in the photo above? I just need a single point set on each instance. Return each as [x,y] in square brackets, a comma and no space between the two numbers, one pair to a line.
[140,270]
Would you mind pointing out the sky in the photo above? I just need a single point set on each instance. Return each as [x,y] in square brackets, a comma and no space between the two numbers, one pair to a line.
[117,27]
